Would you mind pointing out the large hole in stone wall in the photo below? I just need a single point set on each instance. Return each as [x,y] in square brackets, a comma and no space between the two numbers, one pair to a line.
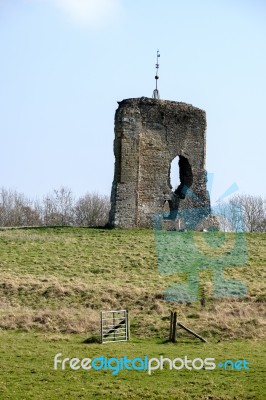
[174,173]
[181,177]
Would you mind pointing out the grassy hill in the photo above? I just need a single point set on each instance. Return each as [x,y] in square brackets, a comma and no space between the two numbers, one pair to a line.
[58,279]
[54,282]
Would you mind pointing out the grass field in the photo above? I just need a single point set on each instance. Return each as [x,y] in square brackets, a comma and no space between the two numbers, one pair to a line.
[54,282]
[27,370]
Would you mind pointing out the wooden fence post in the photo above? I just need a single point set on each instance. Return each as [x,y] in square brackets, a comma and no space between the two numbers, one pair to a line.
[174,327]
[171,326]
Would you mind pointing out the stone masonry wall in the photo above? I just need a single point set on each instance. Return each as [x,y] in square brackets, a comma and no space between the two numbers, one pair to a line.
[149,134]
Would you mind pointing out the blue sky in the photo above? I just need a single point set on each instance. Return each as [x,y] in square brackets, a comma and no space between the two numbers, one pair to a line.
[66,63]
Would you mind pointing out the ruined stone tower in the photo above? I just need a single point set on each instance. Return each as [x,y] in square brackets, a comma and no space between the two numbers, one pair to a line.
[149,134]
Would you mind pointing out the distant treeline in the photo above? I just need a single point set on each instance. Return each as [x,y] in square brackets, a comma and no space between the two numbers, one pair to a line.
[59,208]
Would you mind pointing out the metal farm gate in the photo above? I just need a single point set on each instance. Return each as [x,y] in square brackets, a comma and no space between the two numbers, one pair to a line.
[114,326]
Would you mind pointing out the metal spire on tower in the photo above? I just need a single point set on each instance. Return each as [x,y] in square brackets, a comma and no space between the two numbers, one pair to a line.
[156,94]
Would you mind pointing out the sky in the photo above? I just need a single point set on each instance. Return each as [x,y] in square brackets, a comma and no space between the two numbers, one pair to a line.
[64,64]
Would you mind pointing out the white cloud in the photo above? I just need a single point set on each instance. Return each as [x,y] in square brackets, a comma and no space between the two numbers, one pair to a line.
[89,12]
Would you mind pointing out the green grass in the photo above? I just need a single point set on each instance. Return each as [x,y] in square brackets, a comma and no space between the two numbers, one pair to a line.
[55,281]
[58,279]
[27,370]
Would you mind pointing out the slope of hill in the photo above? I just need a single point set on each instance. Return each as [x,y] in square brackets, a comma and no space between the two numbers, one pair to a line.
[58,279]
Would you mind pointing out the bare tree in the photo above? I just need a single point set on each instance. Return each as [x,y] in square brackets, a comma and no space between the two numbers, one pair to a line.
[5,206]
[253,211]
[243,212]
[65,205]
[92,210]
[17,210]
[50,216]
[58,207]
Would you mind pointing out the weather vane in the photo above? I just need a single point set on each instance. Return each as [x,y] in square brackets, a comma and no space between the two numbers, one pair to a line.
[156,94]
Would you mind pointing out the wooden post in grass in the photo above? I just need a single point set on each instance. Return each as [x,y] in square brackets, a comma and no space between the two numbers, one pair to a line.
[173,329]
[192,332]
[173,324]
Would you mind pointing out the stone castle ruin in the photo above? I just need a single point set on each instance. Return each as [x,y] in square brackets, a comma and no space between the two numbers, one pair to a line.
[149,135]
